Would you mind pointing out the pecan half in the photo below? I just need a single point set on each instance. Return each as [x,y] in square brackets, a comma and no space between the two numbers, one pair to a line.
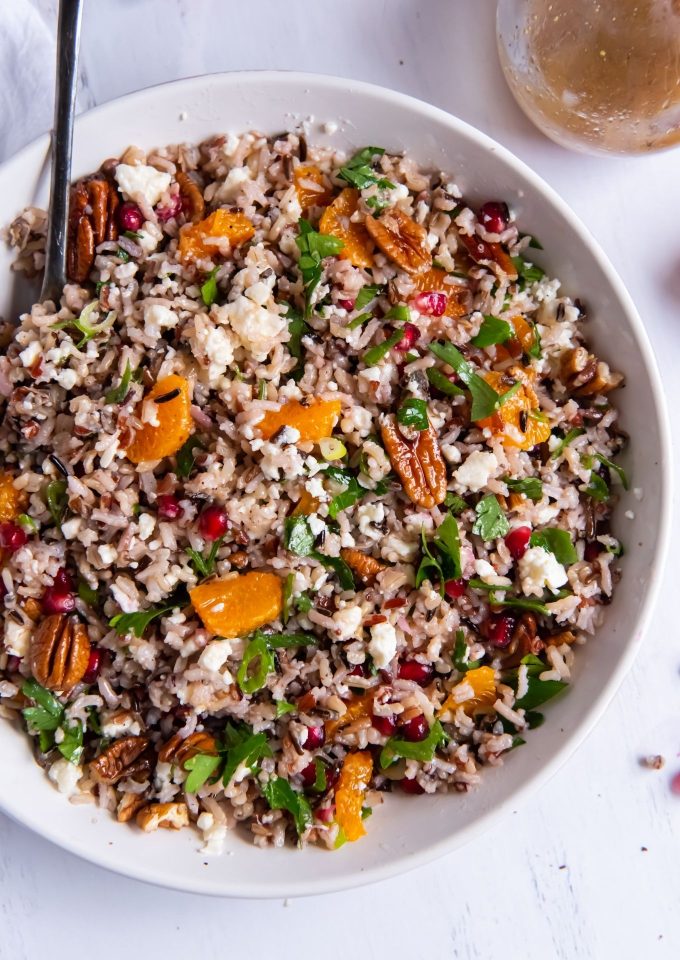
[524,640]
[169,816]
[92,219]
[419,463]
[192,192]
[585,375]
[122,759]
[401,239]
[60,651]
[130,804]
[366,567]
[177,750]
[489,254]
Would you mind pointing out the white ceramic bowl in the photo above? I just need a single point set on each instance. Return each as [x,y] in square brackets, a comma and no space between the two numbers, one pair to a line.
[405,832]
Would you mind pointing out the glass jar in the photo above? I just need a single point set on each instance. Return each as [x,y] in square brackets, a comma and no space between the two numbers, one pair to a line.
[601,76]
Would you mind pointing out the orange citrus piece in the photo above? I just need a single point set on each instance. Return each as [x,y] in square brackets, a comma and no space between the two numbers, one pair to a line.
[240,604]
[355,776]
[175,424]
[306,504]
[357,708]
[12,501]
[458,296]
[306,178]
[483,682]
[516,422]
[524,331]
[236,227]
[335,221]
[314,421]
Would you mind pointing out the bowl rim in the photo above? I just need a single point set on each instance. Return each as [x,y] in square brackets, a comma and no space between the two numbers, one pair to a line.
[409,861]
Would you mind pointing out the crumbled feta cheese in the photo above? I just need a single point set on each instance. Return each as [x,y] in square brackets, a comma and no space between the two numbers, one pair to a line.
[30,354]
[65,776]
[261,291]
[258,329]
[66,378]
[315,488]
[235,179]
[383,644]
[71,528]
[124,725]
[369,514]
[157,318]
[145,525]
[476,471]
[538,569]
[16,638]
[215,655]
[107,554]
[316,524]
[451,453]
[487,573]
[142,183]
[348,620]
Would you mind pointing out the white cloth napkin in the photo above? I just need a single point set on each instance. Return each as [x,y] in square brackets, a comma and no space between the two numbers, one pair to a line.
[27,50]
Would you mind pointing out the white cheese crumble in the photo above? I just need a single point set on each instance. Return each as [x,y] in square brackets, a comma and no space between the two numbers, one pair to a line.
[157,318]
[383,644]
[145,525]
[348,622]
[215,655]
[30,354]
[258,329]
[538,569]
[126,725]
[107,553]
[65,776]
[316,524]
[142,183]
[16,638]
[235,179]
[477,470]
[486,572]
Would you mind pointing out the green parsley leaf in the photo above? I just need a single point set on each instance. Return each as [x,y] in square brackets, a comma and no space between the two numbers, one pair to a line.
[455,504]
[535,348]
[280,796]
[491,522]
[620,472]
[82,324]
[493,330]
[597,487]
[288,585]
[484,398]
[531,487]
[319,785]
[283,707]
[313,248]
[539,692]
[27,523]
[297,328]
[566,440]
[423,750]
[257,664]
[88,594]
[186,456]
[478,584]
[350,495]
[533,241]
[338,566]
[504,397]
[202,766]
[429,568]
[555,541]
[358,321]
[119,393]
[280,641]
[413,413]
[298,537]
[71,745]
[304,603]
[447,542]
[44,718]
[442,383]
[137,622]
[204,565]
[527,272]
[209,289]
[57,500]
[243,746]
[375,354]
[523,603]
[49,703]
[461,654]
[367,295]
[359,171]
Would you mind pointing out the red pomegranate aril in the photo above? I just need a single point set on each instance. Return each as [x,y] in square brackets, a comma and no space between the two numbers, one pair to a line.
[592,551]
[316,737]
[63,581]
[500,630]
[420,673]
[58,601]
[431,303]
[94,665]
[409,336]
[358,671]
[411,785]
[517,541]
[165,213]
[325,814]
[213,522]
[130,217]
[415,729]
[346,305]
[308,774]
[385,725]
[168,507]
[12,536]
[494,216]
[454,588]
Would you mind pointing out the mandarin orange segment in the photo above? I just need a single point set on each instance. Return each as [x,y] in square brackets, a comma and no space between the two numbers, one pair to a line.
[306,504]
[483,682]
[240,604]
[314,421]
[312,188]
[175,424]
[517,422]
[355,776]
[12,501]
[458,303]
[357,709]
[335,221]
[236,227]
[524,331]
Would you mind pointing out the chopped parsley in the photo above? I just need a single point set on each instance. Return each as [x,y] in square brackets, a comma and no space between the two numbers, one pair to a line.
[204,564]
[280,796]
[531,487]
[413,413]
[461,654]
[566,440]
[298,537]
[359,172]
[619,471]
[424,750]
[455,504]
[57,500]
[555,541]
[297,328]
[137,622]
[538,691]
[88,594]
[202,766]
[527,272]
[484,398]
[186,457]
[492,331]
[372,356]
[491,522]
[441,559]
[209,288]
[442,383]
[46,717]
[367,295]
[313,248]
[119,393]
[283,707]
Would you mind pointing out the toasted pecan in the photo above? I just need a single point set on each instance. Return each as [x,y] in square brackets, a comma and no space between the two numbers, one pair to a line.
[402,239]
[419,463]
[59,651]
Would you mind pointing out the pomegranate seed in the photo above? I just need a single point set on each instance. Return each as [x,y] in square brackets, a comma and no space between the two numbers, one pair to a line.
[58,601]
[409,336]
[63,581]
[309,774]
[130,217]
[416,729]
[517,541]
[213,522]
[346,305]
[94,665]
[592,551]
[500,630]
[431,303]
[12,536]
[420,673]
[316,737]
[358,671]
[165,213]
[385,725]
[411,785]
[394,603]
[325,814]
[494,216]
[168,507]
[454,588]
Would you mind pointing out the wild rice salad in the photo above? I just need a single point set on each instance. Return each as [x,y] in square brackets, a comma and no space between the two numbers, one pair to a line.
[305,490]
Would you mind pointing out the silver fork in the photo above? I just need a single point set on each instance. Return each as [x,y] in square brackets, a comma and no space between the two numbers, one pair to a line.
[66,83]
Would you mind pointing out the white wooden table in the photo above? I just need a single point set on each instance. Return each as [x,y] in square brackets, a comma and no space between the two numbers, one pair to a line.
[589,867]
